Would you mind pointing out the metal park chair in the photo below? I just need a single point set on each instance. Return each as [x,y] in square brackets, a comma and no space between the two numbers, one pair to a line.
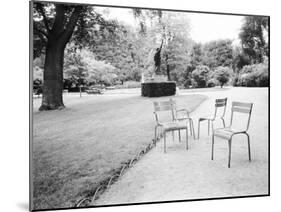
[228,132]
[171,125]
[183,115]
[220,104]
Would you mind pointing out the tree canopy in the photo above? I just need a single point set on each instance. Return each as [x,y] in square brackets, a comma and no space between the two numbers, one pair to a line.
[222,74]
[254,37]
[218,53]
[82,45]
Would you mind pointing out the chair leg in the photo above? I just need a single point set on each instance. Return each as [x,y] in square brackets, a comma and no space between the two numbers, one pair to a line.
[179,136]
[164,141]
[199,128]
[155,135]
[212,124]
[160,133]
[208,127]
[213,141]
[249,149]
[229,153]
[223,122]
[191,121]
[186,138]
[190,127]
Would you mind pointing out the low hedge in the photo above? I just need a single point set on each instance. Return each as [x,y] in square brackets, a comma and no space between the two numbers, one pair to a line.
[77,89]
[129,84]
[157,89]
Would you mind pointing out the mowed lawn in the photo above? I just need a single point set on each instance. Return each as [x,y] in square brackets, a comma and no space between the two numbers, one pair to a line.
[75,148]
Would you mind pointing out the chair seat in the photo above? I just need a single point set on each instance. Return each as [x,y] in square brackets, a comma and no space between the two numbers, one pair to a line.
[207,118]
[182,118]
[226,133]
[169,126]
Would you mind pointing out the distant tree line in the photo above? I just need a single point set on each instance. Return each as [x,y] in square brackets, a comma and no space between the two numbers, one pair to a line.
[77,46]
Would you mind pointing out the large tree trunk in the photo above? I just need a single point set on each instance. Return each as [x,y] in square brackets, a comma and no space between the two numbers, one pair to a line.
[53,76]
[58,37]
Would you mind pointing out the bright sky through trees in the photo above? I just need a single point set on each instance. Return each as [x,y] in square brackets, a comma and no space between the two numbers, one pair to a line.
[204,27]
[207,27]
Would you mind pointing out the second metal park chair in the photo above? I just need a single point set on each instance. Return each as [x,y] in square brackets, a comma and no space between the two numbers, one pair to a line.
[228,132]
[172,124]
[183,115]
[219,105]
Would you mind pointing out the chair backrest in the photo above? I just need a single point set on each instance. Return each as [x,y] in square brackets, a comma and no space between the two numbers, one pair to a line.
[174,108]
[174,103]
[182,113]
[162,106]
[220,103]
[242,107]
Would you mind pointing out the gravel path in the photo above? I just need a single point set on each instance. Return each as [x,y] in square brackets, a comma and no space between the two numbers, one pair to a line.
[190,174]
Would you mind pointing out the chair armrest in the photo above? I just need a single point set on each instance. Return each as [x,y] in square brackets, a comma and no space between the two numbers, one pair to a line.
[156,117]
[183,112]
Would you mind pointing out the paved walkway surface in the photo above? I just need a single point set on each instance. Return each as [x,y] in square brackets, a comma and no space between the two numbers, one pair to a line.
[182,174]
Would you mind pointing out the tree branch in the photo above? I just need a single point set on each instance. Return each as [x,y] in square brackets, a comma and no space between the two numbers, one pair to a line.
[41,31]
[72,23]
[60,16]
[42,38]
[41,10]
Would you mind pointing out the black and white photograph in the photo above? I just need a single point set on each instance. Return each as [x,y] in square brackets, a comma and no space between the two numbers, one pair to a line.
[136,105]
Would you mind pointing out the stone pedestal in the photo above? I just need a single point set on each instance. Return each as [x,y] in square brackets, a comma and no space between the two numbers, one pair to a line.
[156,86]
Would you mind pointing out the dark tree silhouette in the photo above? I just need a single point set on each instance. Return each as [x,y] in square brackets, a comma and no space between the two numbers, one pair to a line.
[254,39]
[56,24]
[57,31]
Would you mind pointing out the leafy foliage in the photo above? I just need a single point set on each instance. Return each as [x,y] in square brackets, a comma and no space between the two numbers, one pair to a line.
[218,53]
[38,66]
[81,67]
[240,59]
[75,67]
[211,83]
[45,23]
[122,51]
[254,75]
[254,36]
[145,16]
[200,75]
[173,31]
[222,75]
[177,45]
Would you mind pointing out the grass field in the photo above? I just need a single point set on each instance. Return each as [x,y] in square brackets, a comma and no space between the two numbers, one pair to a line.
[75,148]
[191,174]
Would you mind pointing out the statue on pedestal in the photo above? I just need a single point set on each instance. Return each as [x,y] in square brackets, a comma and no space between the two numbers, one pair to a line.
[153,72]
[157,59]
